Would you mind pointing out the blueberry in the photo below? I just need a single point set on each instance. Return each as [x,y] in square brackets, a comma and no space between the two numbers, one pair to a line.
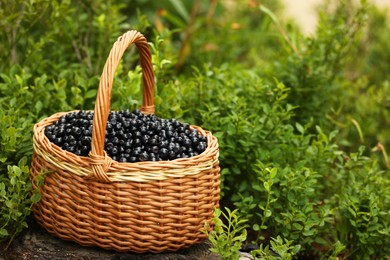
[138,134]
[187,142]
[122,159]
[144,156]
[85,150]
[137,142]
[114,150]
[172,155]
[126,124]
[163,134]
[109,146]
[115,140]
[70,149]
[155,149]
[145,139]
[164,144]
[109,127]
[201,147]
[154,140]
[118,126]
[171,146]
[85,140]
[58,141]
[164,153]
[136,151]
[143,129]
[195,140]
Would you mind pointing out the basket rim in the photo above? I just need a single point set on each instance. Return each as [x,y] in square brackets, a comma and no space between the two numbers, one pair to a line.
[123,171]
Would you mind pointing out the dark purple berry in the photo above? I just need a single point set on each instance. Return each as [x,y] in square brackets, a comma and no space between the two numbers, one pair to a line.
[187,142]
[144,156]
[155,149]
[172,155]
[114,150]
[201,147]
[164,153]
[58,141]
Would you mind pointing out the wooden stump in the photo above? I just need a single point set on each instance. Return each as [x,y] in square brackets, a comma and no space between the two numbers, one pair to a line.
[36,243]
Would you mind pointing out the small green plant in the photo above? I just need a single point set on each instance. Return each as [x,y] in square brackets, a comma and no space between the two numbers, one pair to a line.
[16,200]
[228,235]
[278,249]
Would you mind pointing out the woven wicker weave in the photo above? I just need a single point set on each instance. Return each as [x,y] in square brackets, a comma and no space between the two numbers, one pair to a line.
[138,207]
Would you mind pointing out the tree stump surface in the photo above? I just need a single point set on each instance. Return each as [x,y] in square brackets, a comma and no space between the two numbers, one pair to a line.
[37,243]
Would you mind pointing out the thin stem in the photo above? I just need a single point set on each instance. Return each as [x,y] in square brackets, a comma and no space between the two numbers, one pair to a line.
[264,217]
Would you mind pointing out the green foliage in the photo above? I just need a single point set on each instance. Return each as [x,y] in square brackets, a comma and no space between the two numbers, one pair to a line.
[361,205]
[15,200]
[14,143]
[278,249]
[290,111]
[227,238]
[312,69]
[301,201]
[242,126]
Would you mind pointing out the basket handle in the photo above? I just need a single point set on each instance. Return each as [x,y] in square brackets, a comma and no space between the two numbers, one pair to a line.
[99,159]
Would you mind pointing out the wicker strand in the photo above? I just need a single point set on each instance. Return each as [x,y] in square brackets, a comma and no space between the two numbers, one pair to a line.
[100,166]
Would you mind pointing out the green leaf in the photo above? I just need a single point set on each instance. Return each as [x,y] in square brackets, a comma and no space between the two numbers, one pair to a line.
[36,197]
[296,249]
[257,187]
[38,106]
[13,180]
[16,170]
[268,185]
[300,128]
[273,173]
[268,213]
[6,78]
[10,204]
[308,233]
[3,232]
[3,191]
[91,93]
[297,226]
[291,196]
[352,222]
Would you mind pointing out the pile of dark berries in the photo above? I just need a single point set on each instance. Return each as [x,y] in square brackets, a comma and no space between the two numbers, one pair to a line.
[130,136]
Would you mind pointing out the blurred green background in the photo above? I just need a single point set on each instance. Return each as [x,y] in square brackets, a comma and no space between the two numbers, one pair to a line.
[303,120]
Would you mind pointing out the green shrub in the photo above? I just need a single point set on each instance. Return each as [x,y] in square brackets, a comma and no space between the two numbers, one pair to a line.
[16,200]
[290,111]
[227,239]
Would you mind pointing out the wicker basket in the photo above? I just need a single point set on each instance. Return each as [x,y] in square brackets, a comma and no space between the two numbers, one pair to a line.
[137,207]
